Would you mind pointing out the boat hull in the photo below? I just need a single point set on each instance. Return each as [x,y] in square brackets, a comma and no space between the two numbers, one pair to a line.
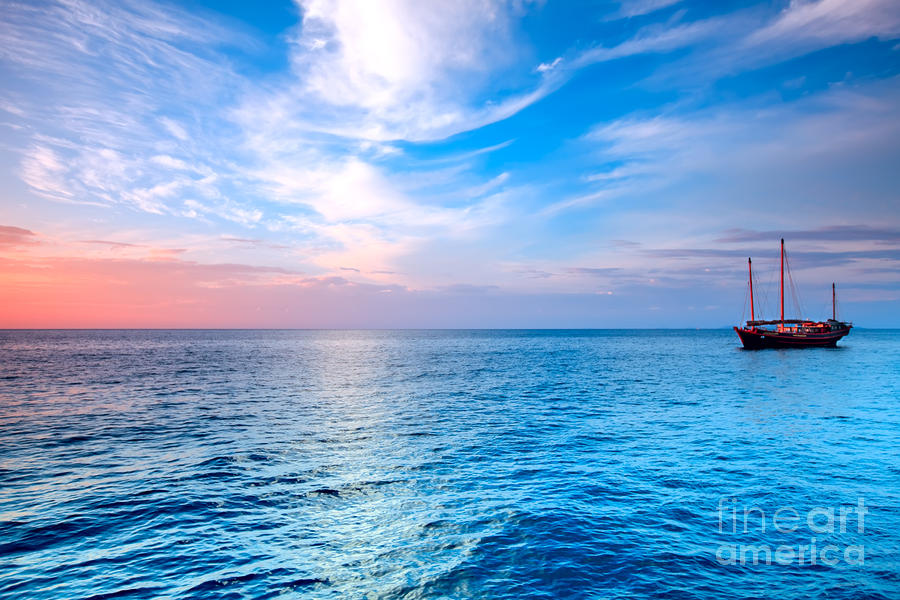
[756,339]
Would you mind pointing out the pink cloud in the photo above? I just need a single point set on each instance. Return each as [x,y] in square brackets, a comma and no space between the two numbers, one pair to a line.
[11,237]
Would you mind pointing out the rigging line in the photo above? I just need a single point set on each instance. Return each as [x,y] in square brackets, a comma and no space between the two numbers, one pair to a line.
[762,301]
[794,291]
[788,285]
[766,307]
[837,308]
[756,297]
[798,311]
[759,292]
[744,310]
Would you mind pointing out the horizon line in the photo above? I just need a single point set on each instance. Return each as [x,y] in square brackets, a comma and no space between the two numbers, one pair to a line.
[724,327]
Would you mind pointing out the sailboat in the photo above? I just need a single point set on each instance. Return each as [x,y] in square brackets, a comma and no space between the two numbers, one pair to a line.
[790,333]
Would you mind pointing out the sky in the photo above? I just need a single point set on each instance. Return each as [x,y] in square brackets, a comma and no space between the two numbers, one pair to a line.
[465,163]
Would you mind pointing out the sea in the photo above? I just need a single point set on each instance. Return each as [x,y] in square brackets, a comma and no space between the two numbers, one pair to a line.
[447,464]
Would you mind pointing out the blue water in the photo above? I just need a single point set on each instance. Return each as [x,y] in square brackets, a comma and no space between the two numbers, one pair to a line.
[442,464]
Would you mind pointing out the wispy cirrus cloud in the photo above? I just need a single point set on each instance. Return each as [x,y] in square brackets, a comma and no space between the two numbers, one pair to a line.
[804,258]
[108,75]
[724,45]
[838,233]
[806,25]
[658,38]
[735,143]
[634,8]
[46,173]
[111,244]
[751,39]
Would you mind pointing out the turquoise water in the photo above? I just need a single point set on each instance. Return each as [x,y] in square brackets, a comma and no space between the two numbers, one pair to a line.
[445,464]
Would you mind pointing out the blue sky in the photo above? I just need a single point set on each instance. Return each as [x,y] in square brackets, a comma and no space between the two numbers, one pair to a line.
[447,164]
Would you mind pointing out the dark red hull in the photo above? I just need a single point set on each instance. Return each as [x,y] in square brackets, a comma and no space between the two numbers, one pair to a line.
[760,338]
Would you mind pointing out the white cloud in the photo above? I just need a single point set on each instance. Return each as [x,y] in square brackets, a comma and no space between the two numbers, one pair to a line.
[44,172]
[488,186]
[747,39]
[578,201]
[381,54]
[397,70]
[634,8]
[170,162]
[814,24]
[658,38]
[174,128]
[356,191]
[544,67]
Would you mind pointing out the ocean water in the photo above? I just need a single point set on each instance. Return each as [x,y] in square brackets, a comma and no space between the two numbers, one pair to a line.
[446,464]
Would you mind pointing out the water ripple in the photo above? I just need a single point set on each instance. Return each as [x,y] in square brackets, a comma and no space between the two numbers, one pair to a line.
[453,464]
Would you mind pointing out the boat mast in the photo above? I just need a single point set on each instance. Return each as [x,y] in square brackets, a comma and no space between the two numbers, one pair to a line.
[782,282]
[750,270]
[833,310]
